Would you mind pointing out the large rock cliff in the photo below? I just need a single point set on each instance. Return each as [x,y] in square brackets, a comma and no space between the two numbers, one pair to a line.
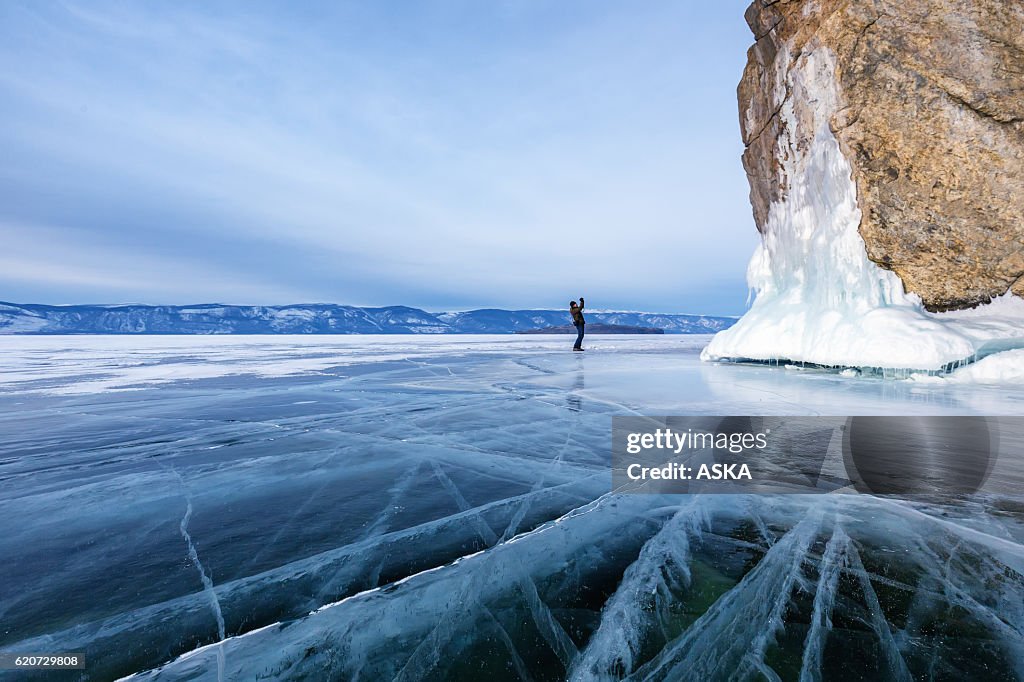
[926,101]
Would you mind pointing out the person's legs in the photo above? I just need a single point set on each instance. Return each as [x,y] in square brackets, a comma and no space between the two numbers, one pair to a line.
[579,337]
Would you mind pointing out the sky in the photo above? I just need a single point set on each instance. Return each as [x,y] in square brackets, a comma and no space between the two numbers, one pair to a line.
[446,155]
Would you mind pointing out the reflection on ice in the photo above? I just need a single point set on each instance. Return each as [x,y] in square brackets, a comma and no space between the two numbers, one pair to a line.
[440,511]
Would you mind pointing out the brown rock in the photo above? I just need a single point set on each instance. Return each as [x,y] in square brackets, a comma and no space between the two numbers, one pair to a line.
[931,119]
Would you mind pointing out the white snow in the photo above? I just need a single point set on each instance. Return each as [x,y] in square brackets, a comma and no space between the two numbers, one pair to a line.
[659,374]
[819,299]
[83,364]
[1006,367]
[21,323]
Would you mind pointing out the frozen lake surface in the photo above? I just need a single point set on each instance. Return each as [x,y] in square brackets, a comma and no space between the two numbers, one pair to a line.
[412,508]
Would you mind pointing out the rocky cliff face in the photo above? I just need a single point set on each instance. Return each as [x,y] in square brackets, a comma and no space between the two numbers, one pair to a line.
[926,101]
[885,152]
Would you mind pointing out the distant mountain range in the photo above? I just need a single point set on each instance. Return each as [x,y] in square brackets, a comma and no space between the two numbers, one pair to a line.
[595,328]
[318,318]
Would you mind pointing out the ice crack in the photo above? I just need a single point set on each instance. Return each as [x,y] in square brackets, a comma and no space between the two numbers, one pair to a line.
[832,562]
[208,588]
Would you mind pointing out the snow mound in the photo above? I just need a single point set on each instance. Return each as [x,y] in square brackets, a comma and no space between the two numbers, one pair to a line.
[1006,367]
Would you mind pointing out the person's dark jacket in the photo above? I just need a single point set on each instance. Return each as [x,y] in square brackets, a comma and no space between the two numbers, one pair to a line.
[577,314]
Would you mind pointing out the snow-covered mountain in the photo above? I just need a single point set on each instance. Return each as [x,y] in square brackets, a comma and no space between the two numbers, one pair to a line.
[319,318]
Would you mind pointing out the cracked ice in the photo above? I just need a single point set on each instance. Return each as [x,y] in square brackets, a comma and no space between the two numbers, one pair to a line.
[441,510]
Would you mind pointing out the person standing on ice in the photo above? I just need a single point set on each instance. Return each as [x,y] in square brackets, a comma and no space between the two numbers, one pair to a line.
[577,321]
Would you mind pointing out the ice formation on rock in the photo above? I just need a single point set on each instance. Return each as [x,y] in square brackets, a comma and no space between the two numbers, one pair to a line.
[819,299]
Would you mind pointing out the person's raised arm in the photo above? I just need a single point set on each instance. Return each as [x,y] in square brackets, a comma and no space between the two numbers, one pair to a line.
[581,303]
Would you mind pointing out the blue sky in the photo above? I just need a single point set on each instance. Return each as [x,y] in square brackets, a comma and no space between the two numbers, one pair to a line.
[445,155]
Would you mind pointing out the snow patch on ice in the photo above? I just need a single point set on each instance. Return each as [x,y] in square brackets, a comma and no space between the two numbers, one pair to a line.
[89,364]
[1001,368]
[819,299]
